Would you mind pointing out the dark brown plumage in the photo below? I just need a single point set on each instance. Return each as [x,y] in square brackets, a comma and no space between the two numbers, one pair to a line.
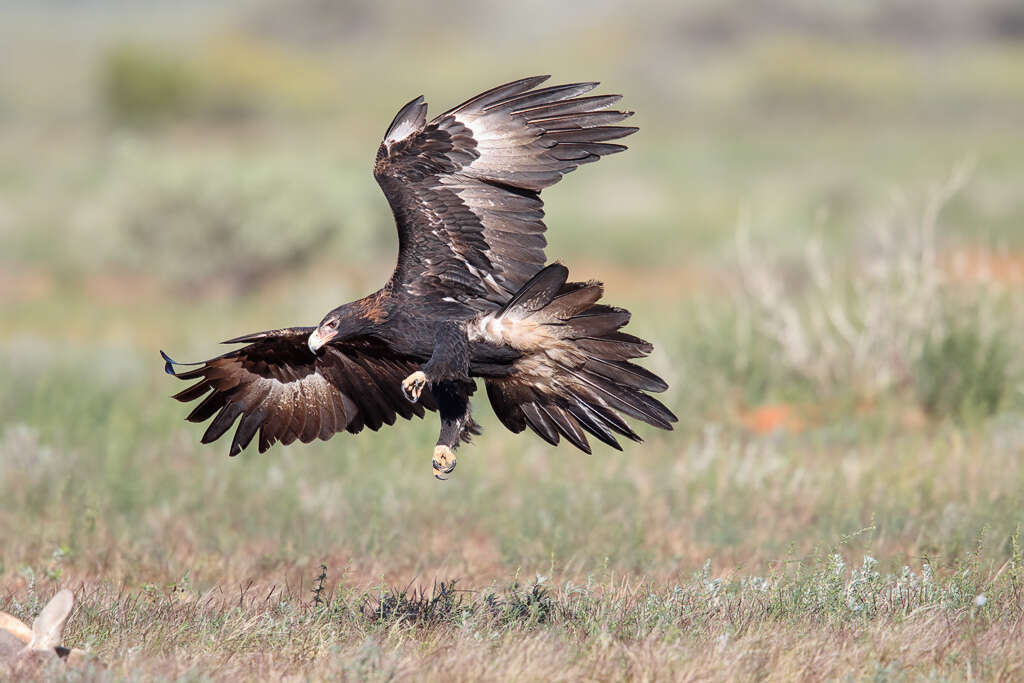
[470,297]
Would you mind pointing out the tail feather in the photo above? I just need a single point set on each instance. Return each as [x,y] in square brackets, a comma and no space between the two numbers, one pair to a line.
[505,406]
[598,320]
[537,292]
[601,425]
[574,376]
[539,422]
[615,345]
[612,419]
[567,426]
[630,374]
[633,403]
[574,298]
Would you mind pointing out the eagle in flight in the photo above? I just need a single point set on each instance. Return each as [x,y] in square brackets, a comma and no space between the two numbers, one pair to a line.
[470,298]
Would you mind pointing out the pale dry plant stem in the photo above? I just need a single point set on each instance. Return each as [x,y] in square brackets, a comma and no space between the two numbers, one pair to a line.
[859,324]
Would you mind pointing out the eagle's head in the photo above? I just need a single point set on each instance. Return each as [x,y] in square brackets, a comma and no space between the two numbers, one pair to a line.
[325,332]
[340,324]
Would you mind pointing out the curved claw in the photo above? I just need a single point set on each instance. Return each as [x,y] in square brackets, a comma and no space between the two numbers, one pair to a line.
[412,386]
[444,461]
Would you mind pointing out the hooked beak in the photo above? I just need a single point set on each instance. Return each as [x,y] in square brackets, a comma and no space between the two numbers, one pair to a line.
[316,340]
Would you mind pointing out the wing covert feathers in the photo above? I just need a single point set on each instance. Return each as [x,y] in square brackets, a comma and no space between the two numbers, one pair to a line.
[575,374]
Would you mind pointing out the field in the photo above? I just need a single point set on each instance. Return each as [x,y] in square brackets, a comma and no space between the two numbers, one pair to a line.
[822,232]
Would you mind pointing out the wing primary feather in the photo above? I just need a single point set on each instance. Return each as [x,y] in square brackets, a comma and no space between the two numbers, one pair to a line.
[573,106]
[246,430]
[191,374]
[499,93]
[193,392]
[544,95]
[596,134]
[209,405]
[225,418]
[279,333]
[582,151]
[590,119]
[267,437]
[169,368]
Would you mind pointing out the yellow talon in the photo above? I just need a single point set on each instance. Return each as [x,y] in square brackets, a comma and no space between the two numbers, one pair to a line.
[444,461]
[412,386]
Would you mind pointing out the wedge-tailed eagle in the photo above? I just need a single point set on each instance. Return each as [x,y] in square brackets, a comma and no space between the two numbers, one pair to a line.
[470,298]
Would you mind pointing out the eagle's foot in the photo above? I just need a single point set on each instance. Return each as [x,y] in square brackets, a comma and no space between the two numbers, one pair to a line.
[412,386]
[444,461]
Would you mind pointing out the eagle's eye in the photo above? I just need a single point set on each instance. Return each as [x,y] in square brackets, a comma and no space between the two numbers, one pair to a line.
[332,324]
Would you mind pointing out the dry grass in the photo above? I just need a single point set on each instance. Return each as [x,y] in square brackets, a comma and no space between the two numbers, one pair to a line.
[814,624]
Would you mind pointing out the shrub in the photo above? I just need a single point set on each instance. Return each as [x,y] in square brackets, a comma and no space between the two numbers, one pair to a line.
[225,80]
[141,85]
[963,370]
[209,221]
[889,319]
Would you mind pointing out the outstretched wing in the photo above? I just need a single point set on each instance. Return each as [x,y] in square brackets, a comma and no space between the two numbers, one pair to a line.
[284,392]
[465,187]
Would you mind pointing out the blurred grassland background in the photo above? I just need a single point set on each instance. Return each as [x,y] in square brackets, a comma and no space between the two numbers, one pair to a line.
[820,225]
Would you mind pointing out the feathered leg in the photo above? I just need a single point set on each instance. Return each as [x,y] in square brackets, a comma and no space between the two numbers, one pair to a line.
[448,361]
[457,422]
[446,374]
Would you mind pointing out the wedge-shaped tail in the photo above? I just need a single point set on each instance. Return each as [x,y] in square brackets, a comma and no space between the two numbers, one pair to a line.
[575,375]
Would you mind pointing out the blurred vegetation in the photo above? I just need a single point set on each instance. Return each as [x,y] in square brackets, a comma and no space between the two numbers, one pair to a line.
[141,85]
[962,372]
[232,79]
[204,224]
